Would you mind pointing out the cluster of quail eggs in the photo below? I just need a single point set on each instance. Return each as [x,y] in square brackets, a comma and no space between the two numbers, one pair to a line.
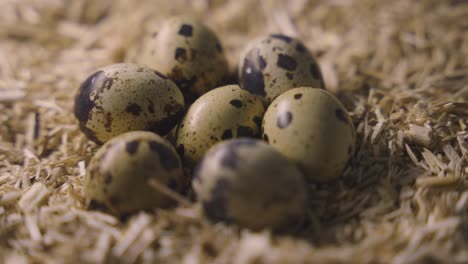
[248,150]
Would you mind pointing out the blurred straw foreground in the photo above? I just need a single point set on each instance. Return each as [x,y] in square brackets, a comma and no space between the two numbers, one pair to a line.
[400,67]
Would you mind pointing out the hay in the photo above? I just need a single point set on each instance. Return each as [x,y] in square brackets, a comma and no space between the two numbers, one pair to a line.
[400,67]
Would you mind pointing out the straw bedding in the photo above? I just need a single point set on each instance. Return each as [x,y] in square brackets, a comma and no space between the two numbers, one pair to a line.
[399,66]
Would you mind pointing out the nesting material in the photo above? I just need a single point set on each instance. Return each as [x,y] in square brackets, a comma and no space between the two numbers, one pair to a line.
[399,67]
[420,135]
[34,197]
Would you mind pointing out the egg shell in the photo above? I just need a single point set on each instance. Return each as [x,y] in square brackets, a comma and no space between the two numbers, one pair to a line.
[117,175]
[223,113]
[273,64]
[312,128]
[125,97]
[248,182]
[189,53]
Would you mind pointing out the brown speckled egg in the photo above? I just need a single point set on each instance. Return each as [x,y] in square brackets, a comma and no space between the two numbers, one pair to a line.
[223,113]
[275,63]
[312,128]
[124,97]
[117,176]
[189,53]
[248,182]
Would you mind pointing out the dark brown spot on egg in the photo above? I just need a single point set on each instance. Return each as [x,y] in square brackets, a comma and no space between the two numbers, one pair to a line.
[258,121]
[108,179]
[341,115]
[133,109]
[186,30]
[298,96]
[265,137]
[215,207]
[289,75]
[154,34]
[83,102]
[166,157]
[281,37]
[277,49]
[107,84]
[227,134]
[252,77]
[261,63]
[300,47]
[108,123]
[180,55]
[284,119]
[236,103]
[243,131]
[274,81]
[132,147]
[172,107]
[286,62]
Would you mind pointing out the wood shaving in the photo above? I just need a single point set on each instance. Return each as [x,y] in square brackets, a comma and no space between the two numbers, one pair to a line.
[33,197]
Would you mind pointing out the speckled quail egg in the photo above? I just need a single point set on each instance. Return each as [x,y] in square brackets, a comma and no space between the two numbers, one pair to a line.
[273,64]
[248,182]
[223,113]
[124,97]
[117,175]
[312,128]
[189,53]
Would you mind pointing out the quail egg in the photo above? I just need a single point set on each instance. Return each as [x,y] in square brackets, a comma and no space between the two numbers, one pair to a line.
[312,128]
[223,113]
[248,182]
[117,175]
[124,97]
[189,53]
[273,64]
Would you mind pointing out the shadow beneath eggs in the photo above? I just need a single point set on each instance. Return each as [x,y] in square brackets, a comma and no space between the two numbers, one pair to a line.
[367,192]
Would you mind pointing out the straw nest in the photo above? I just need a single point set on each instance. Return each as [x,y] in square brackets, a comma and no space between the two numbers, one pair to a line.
[399,66]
